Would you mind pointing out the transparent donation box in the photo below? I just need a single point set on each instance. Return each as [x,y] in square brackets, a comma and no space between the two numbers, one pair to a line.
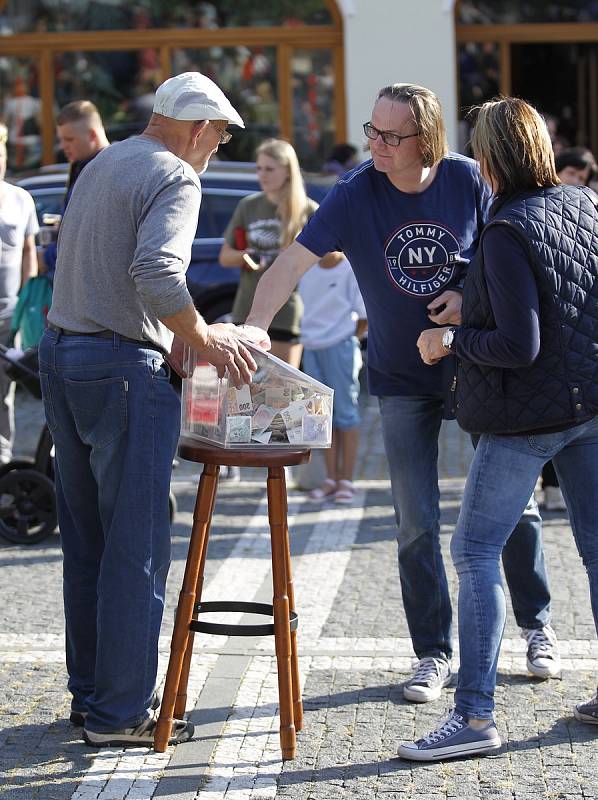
[282,407]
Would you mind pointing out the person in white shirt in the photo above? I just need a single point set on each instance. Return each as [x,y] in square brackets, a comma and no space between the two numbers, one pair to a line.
[334,319]
[18,262]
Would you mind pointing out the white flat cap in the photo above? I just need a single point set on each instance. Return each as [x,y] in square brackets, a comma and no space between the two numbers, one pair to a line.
[193,96]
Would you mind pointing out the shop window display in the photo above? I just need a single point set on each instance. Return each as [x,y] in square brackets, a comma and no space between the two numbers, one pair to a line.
[313,106]
[248,77]
[511,12]
[25,16]
[479,80]
[20,109]
[120,83]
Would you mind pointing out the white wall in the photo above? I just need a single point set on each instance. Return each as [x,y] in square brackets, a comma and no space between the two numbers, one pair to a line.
[398,41]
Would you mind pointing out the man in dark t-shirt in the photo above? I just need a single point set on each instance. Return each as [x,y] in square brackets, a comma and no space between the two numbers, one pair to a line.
[409,221]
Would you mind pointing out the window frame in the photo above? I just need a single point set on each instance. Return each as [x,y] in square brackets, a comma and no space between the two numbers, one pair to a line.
[44,46]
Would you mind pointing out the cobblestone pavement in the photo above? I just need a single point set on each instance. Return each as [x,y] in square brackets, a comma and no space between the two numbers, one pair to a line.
[355,652]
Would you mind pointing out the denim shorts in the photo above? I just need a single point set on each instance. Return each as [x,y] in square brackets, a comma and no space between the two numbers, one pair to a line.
[338,367]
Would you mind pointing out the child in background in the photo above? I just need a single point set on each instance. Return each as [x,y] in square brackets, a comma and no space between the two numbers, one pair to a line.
[333,320]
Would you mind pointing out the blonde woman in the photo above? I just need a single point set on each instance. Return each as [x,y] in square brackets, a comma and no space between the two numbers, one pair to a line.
[264,224]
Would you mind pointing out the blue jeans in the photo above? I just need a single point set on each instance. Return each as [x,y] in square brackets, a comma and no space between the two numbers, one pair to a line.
[115,421]
[502,476]
[410,427]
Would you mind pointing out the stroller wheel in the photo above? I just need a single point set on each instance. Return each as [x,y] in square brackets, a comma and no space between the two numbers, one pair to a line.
[27,506]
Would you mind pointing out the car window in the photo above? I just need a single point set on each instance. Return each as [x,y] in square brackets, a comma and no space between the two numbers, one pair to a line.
[47,201]
[217,207]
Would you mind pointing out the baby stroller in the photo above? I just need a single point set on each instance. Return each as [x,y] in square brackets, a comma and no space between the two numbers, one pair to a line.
[27,495]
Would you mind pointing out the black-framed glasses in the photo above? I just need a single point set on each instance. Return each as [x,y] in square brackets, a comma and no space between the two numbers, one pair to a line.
[392,139]
[225,136]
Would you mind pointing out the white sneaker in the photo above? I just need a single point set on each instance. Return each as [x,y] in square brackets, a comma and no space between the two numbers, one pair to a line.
[543,657]
[553,499]
[429,678]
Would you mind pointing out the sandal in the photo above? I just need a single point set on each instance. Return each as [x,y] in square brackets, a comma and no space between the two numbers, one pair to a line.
[345,492]
[327,489]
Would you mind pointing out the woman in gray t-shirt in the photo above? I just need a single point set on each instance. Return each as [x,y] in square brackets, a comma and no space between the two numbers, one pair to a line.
[264,224]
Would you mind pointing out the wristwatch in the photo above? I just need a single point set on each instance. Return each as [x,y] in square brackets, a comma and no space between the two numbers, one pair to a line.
[447,339]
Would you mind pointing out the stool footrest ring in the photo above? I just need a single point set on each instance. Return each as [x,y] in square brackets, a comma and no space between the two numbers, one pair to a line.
[236,606]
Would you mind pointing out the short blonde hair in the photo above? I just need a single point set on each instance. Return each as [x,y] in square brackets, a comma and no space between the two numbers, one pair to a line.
[292,207]
[80,111]
[427,112]
[3,133]
[511,141]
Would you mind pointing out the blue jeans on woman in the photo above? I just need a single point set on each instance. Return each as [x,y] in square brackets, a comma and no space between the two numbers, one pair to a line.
[114,418]
[410,427]
[502,475]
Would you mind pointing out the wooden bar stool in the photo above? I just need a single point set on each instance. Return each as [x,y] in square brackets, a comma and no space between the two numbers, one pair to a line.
[189,608]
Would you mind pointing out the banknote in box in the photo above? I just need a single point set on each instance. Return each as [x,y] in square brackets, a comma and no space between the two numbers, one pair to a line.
[282,407]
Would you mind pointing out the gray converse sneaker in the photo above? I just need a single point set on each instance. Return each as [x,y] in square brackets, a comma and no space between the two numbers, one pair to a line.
[587,712]
[452,738]
[429,678]
[543,657]
[78,717]
[140,736]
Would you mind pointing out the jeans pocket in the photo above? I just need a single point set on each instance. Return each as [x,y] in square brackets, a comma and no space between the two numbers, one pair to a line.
[547,443]
[48,404]
[160,369]
[99,409]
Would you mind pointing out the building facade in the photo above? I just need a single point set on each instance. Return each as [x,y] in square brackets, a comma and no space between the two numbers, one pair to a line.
[307,71]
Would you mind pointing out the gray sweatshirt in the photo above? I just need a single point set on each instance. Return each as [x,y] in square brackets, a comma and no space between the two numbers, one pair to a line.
[125,243]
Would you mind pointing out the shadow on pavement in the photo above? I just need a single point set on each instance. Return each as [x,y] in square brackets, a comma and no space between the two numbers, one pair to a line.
[47,762]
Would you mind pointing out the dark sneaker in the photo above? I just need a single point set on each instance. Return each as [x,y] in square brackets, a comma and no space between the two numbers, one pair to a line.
[78,717]
[141,736]
[543,657]
[429,678]
[453,738]
[587,712]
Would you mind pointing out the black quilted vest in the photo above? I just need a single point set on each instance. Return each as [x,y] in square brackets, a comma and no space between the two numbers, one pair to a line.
[559,227]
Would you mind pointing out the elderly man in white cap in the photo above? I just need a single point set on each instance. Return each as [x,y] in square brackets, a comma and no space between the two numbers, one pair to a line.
[119,296]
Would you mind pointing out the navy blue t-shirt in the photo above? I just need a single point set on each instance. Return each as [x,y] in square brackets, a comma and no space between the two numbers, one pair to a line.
[405,249]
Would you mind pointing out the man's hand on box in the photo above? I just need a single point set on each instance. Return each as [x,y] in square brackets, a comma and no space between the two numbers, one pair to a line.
[255,335]
[225,350]
[175,357]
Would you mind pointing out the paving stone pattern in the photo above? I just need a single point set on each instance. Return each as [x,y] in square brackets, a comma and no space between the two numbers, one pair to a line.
[355,652]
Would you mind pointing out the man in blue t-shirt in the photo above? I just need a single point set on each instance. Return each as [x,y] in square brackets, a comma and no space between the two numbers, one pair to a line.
[409,221]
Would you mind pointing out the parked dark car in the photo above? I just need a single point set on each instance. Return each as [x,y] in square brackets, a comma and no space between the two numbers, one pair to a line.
[211,286]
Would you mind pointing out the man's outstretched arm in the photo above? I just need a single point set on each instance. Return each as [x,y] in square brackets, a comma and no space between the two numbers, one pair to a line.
[277,283]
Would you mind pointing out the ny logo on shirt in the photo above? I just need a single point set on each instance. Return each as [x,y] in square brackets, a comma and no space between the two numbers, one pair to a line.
[421,258]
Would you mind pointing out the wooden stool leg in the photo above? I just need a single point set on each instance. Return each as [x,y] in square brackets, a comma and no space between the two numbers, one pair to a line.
[297,702]
[204,504]
[282,632]
[180,704]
